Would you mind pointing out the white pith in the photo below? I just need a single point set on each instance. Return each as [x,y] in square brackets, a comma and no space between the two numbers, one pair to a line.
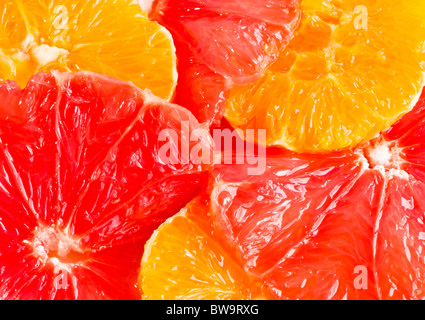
[146,5]
[45,54]
[51,245]
[383,156]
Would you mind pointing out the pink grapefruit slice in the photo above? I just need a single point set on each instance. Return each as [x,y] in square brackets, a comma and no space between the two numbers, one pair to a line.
[83,184]
[221,43]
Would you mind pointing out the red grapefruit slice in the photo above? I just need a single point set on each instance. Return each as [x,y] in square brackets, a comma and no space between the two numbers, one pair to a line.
[221,43]
[348,225]
[303,226]
[84,185]
[315,227]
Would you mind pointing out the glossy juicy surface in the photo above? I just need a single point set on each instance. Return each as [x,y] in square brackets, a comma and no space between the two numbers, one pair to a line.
[346,226]
[112,37]
[83,184]
[352,69]
[184,260]
[220,43]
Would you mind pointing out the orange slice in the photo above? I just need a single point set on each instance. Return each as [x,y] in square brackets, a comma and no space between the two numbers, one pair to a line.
[107,36]
[352,70]
[204,270]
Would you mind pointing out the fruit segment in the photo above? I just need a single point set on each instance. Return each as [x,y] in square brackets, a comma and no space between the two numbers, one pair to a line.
[221,43]
[108,37]
[183,260]
[333,260]
[109,191]
[84,184]
[352,69]
[345,226]
[399,261]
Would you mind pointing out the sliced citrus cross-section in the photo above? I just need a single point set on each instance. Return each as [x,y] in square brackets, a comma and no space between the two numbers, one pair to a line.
[184,261]
[84,184]
[108,36]
[346,226]
[351,71]
[222,42]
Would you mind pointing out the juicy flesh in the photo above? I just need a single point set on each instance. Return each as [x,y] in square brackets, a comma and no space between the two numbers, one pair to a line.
[83,185]
[346,226]
[221,43]
[337,84]
[204,270]
[44,35]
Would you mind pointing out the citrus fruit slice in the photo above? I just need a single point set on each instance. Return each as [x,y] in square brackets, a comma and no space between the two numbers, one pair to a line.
[42,35]
[84,184]
[183,261]
[351,71]
[345,226]
[222,42]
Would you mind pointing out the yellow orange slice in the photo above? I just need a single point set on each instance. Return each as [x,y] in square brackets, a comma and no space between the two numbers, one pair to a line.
[112,37]
[205,271]
[352,70]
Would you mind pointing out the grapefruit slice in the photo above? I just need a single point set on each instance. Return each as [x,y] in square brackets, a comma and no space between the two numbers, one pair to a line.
[346,226]
[39,36]
[352,70]
[84,184]
[220,43]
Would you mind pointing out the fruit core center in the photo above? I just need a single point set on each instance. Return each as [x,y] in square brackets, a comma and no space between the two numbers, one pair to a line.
[50,244]
[35,51]
[382,153]
[45,54]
